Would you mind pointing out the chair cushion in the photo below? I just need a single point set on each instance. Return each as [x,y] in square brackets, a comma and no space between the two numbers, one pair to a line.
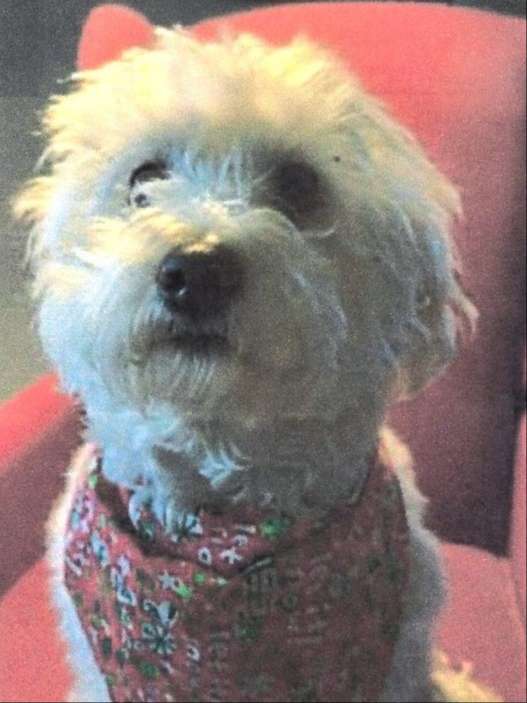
[33,659]
[480,625]
[519,514]
[39,429]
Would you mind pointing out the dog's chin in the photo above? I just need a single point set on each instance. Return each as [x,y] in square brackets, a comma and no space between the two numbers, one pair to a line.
[186,369]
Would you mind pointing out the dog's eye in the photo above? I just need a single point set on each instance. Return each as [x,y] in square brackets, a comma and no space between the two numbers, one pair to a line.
[296,190]
[149,171]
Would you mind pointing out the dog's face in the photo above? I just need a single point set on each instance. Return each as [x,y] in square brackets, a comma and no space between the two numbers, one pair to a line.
[237,231]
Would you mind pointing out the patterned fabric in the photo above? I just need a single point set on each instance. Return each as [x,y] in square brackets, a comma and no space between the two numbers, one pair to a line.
[244,606]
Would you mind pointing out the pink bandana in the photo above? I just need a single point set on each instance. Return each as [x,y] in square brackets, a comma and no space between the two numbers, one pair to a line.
[244,606]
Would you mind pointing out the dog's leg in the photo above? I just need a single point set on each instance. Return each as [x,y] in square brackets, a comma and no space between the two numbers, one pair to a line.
[409,677]
[89,684]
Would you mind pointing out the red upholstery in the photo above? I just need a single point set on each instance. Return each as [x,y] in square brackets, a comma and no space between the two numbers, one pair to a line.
[517,543]
[108,31]
[32,654]
[39,430]
[481,623]
[455,77]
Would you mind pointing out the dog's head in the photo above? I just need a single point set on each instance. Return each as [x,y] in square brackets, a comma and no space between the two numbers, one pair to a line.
[233,230]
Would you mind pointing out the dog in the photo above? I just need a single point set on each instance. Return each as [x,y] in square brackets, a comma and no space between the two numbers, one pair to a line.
[241,261]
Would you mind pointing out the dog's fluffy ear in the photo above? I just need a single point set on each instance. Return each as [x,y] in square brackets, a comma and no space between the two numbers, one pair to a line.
[443,313]
[108,31]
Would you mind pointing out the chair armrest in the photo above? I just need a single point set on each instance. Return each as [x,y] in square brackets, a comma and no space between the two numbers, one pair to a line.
[39,430]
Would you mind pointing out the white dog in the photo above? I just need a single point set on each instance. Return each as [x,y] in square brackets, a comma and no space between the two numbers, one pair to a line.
[241,260]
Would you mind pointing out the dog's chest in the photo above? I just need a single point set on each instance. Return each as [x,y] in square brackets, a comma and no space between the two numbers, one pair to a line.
[244,607]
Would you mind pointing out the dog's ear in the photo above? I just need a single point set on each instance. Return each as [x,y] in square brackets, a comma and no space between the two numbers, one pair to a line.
[108,31]
[443,313]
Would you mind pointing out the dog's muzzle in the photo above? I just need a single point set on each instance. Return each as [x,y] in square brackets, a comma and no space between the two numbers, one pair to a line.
[199,285]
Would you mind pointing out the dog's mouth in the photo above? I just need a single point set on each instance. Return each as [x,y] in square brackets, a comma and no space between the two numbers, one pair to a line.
[199,337]
[200,344]
[174,334]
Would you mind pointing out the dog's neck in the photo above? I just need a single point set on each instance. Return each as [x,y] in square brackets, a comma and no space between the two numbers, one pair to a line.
[294,463]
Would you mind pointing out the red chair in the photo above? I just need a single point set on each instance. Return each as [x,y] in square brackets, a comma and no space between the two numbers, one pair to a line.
[455,77]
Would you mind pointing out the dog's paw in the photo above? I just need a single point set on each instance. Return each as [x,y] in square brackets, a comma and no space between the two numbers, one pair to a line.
[140,504]
[180,524]
[148,501]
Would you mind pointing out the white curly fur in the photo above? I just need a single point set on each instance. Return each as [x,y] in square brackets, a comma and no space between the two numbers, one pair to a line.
[340,317]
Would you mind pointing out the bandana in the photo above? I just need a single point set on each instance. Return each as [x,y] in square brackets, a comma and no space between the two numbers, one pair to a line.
[243,606]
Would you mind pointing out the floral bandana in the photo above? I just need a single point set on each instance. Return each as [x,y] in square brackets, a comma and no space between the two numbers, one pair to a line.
[244,606]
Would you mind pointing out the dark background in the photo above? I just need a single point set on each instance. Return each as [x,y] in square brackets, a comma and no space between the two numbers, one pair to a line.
[38,41]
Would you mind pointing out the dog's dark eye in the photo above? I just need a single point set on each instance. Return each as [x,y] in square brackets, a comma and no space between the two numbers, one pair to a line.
[296,190]
[149,171]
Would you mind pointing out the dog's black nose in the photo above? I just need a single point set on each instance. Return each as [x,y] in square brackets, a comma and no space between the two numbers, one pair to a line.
[199,284]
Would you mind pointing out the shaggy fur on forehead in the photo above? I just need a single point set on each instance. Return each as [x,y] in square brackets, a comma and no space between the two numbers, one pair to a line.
[224,82]
[242,89]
